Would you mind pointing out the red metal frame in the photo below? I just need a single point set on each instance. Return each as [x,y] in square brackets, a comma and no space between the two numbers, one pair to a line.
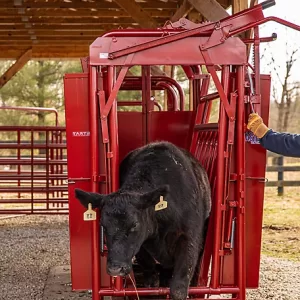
[28,109]
[234,234]
[25,188]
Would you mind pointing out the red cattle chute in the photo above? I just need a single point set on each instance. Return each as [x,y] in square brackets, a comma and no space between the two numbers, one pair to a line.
[236,168]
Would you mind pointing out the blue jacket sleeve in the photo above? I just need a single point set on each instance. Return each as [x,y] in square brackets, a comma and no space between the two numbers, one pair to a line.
[285,144]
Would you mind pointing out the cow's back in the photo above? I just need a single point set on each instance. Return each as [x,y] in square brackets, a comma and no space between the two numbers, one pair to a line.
[163,163]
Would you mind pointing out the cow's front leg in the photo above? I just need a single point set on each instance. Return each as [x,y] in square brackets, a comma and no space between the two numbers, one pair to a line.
[186,256]
[148,264]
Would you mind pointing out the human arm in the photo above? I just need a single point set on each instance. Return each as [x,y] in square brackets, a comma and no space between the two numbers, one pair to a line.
[286,144]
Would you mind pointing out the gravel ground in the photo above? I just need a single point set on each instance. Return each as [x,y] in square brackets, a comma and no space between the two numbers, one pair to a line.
[31,245]
[279,279]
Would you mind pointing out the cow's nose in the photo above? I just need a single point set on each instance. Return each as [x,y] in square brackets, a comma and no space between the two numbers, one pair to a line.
[115,271]
[118,270]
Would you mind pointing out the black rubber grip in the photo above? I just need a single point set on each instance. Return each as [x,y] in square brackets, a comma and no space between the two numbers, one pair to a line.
[268,3]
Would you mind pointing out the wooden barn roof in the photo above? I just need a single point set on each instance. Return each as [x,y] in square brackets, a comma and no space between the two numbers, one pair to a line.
[66,28]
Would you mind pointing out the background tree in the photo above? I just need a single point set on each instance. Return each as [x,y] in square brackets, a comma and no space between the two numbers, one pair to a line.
[38,84]
[285,91]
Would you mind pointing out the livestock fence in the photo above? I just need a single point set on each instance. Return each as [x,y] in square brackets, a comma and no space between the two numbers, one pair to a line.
[33,170]
[33,165]
[282,172]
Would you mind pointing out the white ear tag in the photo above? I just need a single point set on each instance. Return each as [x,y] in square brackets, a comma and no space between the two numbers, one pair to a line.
[90,214]
[162,204]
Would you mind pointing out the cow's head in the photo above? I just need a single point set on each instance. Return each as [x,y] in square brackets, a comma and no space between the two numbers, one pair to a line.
[126,221]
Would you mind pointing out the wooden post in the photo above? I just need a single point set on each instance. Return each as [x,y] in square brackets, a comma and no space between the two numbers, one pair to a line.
[182,11]
[280,188]
[209,9]
[237,6]
[137,13]
[16,67]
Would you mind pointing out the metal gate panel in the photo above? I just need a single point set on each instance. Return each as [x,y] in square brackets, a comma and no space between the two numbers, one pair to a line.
[33,170]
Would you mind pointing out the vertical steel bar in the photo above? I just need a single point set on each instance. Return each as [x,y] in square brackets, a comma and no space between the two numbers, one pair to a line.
[32,166]
[47,169]
[52,166]
[215,272]
[96,276]
[19,157]
[146,93]
[61,166]
[240,188]
[225,83]
[56,165]
[256,61]
[114,146]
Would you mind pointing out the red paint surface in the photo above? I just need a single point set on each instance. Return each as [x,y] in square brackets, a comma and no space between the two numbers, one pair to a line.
[221,147]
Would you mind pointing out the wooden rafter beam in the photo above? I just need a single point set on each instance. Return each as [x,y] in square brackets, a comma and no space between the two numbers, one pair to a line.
[182,11]
[239,5]
[46,51]
[26,41]
[66,26]
[156,71]
[49,32]
[77,4]
[104,13]
[209,9]
[49,38]
[137,13]
[77,20]
[16,67]
[225,3]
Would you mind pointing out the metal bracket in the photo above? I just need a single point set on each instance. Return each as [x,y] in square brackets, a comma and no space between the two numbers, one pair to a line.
[218,36]
[99,178]
[260,179]
[73,180]
[231,126]
[227,106]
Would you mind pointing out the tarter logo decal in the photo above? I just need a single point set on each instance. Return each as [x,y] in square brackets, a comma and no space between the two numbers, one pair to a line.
[81,133]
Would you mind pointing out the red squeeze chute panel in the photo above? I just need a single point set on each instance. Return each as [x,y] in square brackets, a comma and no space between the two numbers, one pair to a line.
[78,149]
[256,160]
[233,53]
[170,126]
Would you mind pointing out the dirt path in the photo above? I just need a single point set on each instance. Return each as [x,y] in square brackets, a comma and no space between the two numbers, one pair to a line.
[31,245]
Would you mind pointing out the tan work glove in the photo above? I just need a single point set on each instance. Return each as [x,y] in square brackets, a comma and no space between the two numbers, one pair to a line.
[256,125]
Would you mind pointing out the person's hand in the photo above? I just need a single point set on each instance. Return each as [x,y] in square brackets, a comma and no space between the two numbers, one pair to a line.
[256,125]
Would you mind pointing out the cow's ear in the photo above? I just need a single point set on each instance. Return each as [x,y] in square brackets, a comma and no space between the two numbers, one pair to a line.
[87,197]
[151,198]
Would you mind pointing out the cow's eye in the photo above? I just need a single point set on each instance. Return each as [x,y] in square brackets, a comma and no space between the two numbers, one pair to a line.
[134,227]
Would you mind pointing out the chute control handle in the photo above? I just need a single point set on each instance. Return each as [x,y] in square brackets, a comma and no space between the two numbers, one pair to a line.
[268,3]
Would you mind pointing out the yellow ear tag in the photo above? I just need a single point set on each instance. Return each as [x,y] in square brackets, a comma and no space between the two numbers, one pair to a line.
[162,204]
[90,214]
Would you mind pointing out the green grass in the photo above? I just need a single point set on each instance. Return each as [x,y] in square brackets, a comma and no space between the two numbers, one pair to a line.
[281,231]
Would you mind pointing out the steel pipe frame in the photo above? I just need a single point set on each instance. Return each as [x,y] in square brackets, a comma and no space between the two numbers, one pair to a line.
[137,103]
[51,211]
[116,289]
[240,182]
[95,171]
[24,108]
[165,291]
[165,79]
[28,177]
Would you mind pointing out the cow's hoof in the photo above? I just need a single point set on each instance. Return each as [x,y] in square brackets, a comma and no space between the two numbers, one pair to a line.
[179,292]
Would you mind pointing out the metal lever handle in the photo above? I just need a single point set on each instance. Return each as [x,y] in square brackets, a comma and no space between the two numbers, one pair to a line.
[268,3]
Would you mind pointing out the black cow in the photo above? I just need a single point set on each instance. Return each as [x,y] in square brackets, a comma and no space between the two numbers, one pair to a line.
[173,236]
